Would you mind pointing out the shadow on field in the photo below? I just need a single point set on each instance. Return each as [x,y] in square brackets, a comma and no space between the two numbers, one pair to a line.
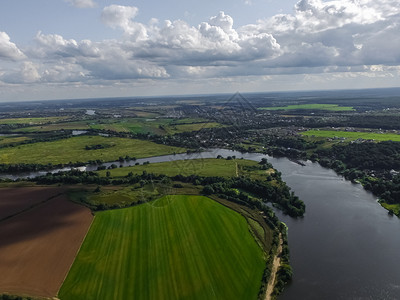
[39,221]
[18,199]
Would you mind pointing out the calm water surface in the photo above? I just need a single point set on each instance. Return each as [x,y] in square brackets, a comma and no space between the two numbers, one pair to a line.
[346,246]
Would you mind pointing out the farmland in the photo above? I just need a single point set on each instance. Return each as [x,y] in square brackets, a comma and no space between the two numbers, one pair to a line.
[73,150]
[38,245]
[353,135]
[178,247]
[315,106]
[17,200]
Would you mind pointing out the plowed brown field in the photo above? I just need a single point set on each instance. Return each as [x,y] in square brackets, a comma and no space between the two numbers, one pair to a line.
[15,200]
[38,246]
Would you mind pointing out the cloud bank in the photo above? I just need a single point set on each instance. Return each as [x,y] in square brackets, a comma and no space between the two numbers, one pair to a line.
[318,37]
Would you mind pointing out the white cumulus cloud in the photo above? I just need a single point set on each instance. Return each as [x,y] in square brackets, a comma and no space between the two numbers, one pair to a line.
[318,37]
[118,16]
[8,50]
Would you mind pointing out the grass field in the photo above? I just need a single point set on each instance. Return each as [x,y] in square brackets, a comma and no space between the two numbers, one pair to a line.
[123,196]
[132,125]
[329,107]
[73,150]
[32,121]
[202,167]
[351,135]
[6,140]
[178,247]
[77,125]
[395,208]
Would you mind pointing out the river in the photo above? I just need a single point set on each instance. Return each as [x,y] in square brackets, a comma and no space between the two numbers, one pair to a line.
[345,247]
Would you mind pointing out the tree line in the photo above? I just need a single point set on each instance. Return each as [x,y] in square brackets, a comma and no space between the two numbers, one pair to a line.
[373,164]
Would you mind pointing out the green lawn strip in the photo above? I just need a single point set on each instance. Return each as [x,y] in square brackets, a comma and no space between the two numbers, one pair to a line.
[73,150]
[256,226]
[395,208]
[352,135]
[329,107]
[202,167]
[179,247]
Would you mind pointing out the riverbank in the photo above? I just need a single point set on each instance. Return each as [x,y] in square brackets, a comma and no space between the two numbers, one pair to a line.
[274,271]
[393,209]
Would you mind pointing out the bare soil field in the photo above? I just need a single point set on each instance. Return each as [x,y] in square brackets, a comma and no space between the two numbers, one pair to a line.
[38,246]
[15,200]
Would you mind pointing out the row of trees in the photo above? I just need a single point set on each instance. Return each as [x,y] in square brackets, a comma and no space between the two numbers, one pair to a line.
[245,190]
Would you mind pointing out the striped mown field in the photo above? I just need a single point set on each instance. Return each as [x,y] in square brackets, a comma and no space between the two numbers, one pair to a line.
[177,247]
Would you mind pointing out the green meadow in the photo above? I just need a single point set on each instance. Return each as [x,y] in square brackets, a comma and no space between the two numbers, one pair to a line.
[6,140]
[177,247]
[73,150]
[329,107]
[203,167]
[32,121]
[160,126]
[75,125]
[123,196]
[352,135]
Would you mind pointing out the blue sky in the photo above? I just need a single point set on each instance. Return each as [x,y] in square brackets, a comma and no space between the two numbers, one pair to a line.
[57,49]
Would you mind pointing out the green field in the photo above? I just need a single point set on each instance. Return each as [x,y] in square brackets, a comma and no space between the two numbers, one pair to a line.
[154,126]
[329,107]
[202,167]
[32,121]
[351,135]
[77,125]
[132,125]
[6,140]
[73,150]
[178,247]
[124,196]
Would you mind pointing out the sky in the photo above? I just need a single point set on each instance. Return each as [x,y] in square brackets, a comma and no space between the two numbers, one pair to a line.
[62,49]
